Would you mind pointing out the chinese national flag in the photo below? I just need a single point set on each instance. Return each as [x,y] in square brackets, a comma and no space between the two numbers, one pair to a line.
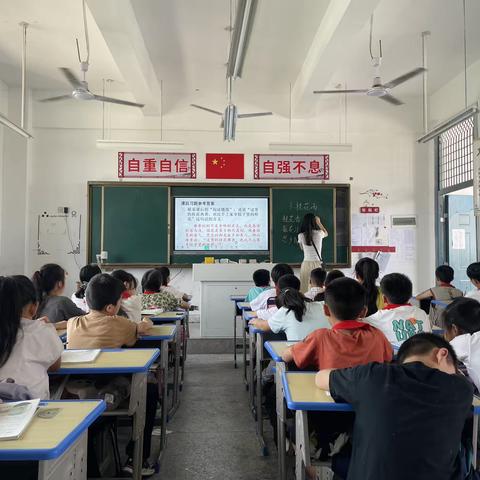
[224,165]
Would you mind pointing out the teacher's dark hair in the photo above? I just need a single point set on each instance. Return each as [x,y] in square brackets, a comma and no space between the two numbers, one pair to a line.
[308,225]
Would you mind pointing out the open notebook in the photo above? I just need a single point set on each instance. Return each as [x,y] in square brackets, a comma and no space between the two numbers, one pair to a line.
[15,418]
[152,311]
[79,356]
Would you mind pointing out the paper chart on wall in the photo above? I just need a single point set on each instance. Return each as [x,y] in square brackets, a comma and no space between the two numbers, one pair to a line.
[369,230]
[58,234]
[404,241]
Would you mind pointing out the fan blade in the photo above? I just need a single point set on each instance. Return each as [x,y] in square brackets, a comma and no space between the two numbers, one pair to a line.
[403,78]
[55,99]
[391,99]
[259,114]
[216,112]
[118,101]
[71,78]
[340,91]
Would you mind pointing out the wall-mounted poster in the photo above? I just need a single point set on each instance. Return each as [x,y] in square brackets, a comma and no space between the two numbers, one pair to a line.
[157,165]
[291,167]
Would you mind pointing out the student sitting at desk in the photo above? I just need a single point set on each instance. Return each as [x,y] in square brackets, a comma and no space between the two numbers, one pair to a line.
[409,416]
[367,272]
[261,278]
[462,329]
[28,348]
[262,301]
[331,276]
[103,328]
[49,283]
[152,296]
[131,303]
[398,319]
[473,273]
[317,283]
[86,274]
[166,287]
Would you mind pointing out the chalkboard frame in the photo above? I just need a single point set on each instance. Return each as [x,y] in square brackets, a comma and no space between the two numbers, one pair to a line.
[172,185]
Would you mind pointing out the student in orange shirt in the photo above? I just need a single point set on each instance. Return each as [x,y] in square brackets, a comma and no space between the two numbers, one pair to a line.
[350,342]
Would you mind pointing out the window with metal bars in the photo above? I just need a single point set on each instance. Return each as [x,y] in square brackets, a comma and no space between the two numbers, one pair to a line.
[455,156]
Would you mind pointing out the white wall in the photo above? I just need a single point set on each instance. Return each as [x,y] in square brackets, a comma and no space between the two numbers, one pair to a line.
[385,156]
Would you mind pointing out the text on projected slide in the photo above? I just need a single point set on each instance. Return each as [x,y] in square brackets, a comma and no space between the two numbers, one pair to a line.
[221,224]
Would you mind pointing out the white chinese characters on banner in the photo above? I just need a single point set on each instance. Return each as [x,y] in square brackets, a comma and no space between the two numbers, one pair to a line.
[156,165]
[301,167]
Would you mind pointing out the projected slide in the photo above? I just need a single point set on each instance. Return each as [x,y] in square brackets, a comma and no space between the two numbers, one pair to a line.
[221,224]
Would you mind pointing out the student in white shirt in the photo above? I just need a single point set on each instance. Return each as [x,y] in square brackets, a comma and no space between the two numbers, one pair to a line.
[28,348]
[310,239]
[131,302]
[86,274]
[462,329]
[398,320]
[317,283]
[473,273]
[261,302]
[297,315]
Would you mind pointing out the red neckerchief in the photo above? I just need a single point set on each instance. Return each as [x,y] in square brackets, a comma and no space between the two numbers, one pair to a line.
[443,284]
[349,325]
[149,292]
[391,306]
[126,294]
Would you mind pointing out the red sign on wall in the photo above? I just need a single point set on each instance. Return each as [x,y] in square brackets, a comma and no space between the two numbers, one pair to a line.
[369,209]
[292,167]
[157,165]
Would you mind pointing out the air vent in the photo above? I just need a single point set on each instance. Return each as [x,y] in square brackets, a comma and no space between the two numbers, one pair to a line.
[404,221]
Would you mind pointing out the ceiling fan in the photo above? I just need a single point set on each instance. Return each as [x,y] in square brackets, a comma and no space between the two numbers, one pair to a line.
[379,89]
[80,87]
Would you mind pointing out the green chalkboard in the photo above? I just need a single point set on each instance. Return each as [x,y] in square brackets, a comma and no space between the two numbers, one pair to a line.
[135,223]
[289,205]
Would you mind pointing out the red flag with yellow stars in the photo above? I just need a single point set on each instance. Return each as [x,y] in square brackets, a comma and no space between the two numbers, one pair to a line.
[224,165]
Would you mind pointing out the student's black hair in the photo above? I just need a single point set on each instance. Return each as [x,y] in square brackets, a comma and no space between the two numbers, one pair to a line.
[473,271]
[26,290]
[103,290]
[333,275]
[46,278]
[445,273]
[367,270]
[144,278]
[153,282]
[345,298]
[261,277]
[86,274]
[307,227]
[279,270]
[397,288]
[317,277]
[165,271]
[10,315]
[422,344]
[290,296]
[125,277]
[464,313]
[289,281]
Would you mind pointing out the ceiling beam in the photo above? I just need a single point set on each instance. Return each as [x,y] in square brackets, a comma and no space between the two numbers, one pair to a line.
[118,24]
[342,21]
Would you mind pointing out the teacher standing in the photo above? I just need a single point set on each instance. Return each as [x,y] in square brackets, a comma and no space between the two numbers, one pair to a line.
[310,238]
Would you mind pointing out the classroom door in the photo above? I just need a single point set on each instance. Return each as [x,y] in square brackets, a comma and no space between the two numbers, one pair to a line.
[461,237]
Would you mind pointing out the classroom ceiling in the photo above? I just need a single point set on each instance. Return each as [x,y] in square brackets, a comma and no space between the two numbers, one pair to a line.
[314,44]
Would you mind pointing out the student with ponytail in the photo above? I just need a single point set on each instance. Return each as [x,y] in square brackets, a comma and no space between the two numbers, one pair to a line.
[297,316]
[28,348]
[86,274]
[49,283]
[366,273]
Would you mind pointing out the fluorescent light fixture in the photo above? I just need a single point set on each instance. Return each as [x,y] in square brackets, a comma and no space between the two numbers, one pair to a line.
[229,123]
[312,147]
[138,144]
[240,36]
[7,123]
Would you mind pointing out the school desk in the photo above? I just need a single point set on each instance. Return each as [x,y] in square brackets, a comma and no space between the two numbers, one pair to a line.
[250,346]
[237,300]
[167,333]
[243,307]
[275,349]
[135,362]
[59,443]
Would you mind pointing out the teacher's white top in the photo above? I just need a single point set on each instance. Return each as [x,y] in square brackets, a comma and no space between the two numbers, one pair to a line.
[309,253]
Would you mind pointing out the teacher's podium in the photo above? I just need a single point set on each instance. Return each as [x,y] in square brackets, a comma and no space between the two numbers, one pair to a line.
[219,282]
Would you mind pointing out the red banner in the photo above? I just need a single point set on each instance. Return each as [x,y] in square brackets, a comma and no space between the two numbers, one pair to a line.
[291,167]
[224,165]
[157,165]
